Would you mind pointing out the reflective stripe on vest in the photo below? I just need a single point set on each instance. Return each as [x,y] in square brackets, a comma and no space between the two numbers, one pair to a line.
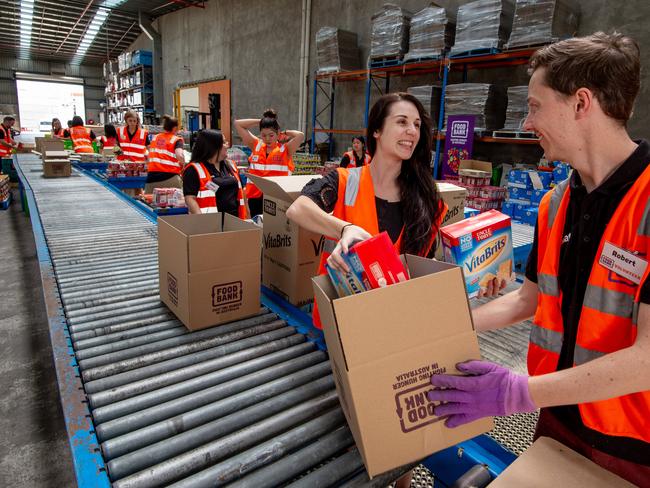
[205,198]
[81,139]
[162,154]
[133,149]
[610,306]
[277,163]
[353,160]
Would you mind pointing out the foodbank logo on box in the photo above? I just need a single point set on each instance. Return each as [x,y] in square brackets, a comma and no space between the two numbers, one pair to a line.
[227,294]
[172,288]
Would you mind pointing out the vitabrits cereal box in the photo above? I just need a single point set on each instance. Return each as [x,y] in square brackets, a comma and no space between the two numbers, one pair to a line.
[482,246]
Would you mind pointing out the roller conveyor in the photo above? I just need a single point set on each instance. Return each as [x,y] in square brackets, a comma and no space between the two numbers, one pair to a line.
[148,403]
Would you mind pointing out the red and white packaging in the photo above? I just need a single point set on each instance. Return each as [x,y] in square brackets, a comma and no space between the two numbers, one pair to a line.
[380,261]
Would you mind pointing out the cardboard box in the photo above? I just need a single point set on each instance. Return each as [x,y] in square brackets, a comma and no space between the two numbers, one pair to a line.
[56,169]
[549,464]
[46,144]
[454,196]
[209,267]
[476,165]
[384,345]
[291,254]
[482,246]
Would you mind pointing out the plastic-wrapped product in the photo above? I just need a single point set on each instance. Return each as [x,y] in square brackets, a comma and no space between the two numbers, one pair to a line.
[517,110]
[543,21]
[432,31]
[389,34]
[336,50]
[429,96]
[486,101]
[483,24]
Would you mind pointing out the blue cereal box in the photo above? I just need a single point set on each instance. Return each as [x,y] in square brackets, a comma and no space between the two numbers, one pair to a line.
[482,246]
[538,195]
[508,208]
[521,194]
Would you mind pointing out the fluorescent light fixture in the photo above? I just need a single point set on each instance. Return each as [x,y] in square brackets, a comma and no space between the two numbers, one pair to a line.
[26,16]
[93,29]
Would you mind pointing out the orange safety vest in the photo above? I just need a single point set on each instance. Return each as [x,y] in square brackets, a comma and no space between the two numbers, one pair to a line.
[353,161]
[356,204]
[162,155]
[108,143]
[58,133]
[277,163]
[5,152]
[134,149]
[81,139]
[206,198]
[609,310]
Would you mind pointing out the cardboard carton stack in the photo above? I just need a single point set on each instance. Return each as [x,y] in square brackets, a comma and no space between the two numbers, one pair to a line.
[307,164]
[56,164]
[126,169]
[486,101]
[526,188]
[389,35]
[384,350]
[5,189]
[432,33]
[336,50]
[475,177]
[429,96]
[291,255]
[543,22]
[483,24]
[517,110]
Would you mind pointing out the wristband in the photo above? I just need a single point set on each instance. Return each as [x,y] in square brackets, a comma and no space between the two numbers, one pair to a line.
[343,229]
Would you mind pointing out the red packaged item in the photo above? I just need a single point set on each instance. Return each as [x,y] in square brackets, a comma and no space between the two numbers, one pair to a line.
[380,261]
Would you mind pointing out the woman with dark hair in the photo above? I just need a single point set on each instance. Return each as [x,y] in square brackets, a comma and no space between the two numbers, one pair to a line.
[357,156]
[81,136]
[269,157]
[166,158]
[109,139]
[57,130]
[133,141]
[211,182]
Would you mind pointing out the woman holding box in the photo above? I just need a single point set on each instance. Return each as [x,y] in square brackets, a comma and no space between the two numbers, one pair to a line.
[269,157]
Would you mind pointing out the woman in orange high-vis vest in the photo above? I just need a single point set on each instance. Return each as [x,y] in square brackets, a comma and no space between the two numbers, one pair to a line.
[132,139]
[109,140]
[7,142]
[357,156]
[57,129]
[269,158]
[166,158]
[82,137]
[587,285]
[211,182]
[394,193]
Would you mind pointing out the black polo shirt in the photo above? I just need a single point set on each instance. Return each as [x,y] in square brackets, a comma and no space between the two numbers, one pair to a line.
[587,217]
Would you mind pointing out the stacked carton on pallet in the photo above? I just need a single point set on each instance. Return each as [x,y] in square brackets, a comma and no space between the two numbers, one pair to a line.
[429,96]
[389,35]
[543,22]
[5,191]
[483,24]
[336,50]
[517,110]
[432,33]
[486,101]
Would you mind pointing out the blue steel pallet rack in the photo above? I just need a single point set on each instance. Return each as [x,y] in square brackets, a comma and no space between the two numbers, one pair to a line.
[463,62]
[89,465]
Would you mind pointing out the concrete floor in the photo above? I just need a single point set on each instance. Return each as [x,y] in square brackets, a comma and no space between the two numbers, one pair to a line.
[34,450]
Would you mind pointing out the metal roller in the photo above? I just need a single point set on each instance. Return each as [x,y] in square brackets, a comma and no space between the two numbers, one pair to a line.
[115,300]
[201,457]
[285,469]
[162,367]
[157,356]
[120,337]
[170,408]
[210,422]
[339,469]
[264,453]
[123,326]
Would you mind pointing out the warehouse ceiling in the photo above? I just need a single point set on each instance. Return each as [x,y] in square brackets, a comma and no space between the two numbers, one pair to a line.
[77,31]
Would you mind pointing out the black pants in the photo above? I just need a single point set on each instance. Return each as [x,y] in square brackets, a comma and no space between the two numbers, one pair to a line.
[256,206]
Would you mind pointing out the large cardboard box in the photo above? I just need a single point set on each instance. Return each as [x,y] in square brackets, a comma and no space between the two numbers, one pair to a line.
[454,196]
[209,268]
[475,164]
[57,169]
[384,345]
[549,464]
[45,144]
[291,253]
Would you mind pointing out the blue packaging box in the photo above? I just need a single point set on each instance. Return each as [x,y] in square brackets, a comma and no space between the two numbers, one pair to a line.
[538,195]
[508,208]
[521,194]
[561,172]
[529,216]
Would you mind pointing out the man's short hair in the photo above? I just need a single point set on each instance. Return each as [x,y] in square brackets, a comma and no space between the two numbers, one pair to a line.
[606,64]
[9,118]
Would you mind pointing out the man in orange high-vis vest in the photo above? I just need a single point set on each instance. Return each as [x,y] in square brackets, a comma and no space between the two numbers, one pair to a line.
[587,287]
[82,137]
[7,142]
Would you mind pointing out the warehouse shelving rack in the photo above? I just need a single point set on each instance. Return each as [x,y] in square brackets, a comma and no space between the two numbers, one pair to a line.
[144,87]
[326,84]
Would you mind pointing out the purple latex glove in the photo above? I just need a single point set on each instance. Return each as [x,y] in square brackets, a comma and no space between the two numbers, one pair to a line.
[490,390]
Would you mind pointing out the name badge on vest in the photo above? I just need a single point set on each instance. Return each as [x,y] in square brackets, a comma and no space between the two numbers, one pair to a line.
[255,158]
[211,185]
[623,262]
